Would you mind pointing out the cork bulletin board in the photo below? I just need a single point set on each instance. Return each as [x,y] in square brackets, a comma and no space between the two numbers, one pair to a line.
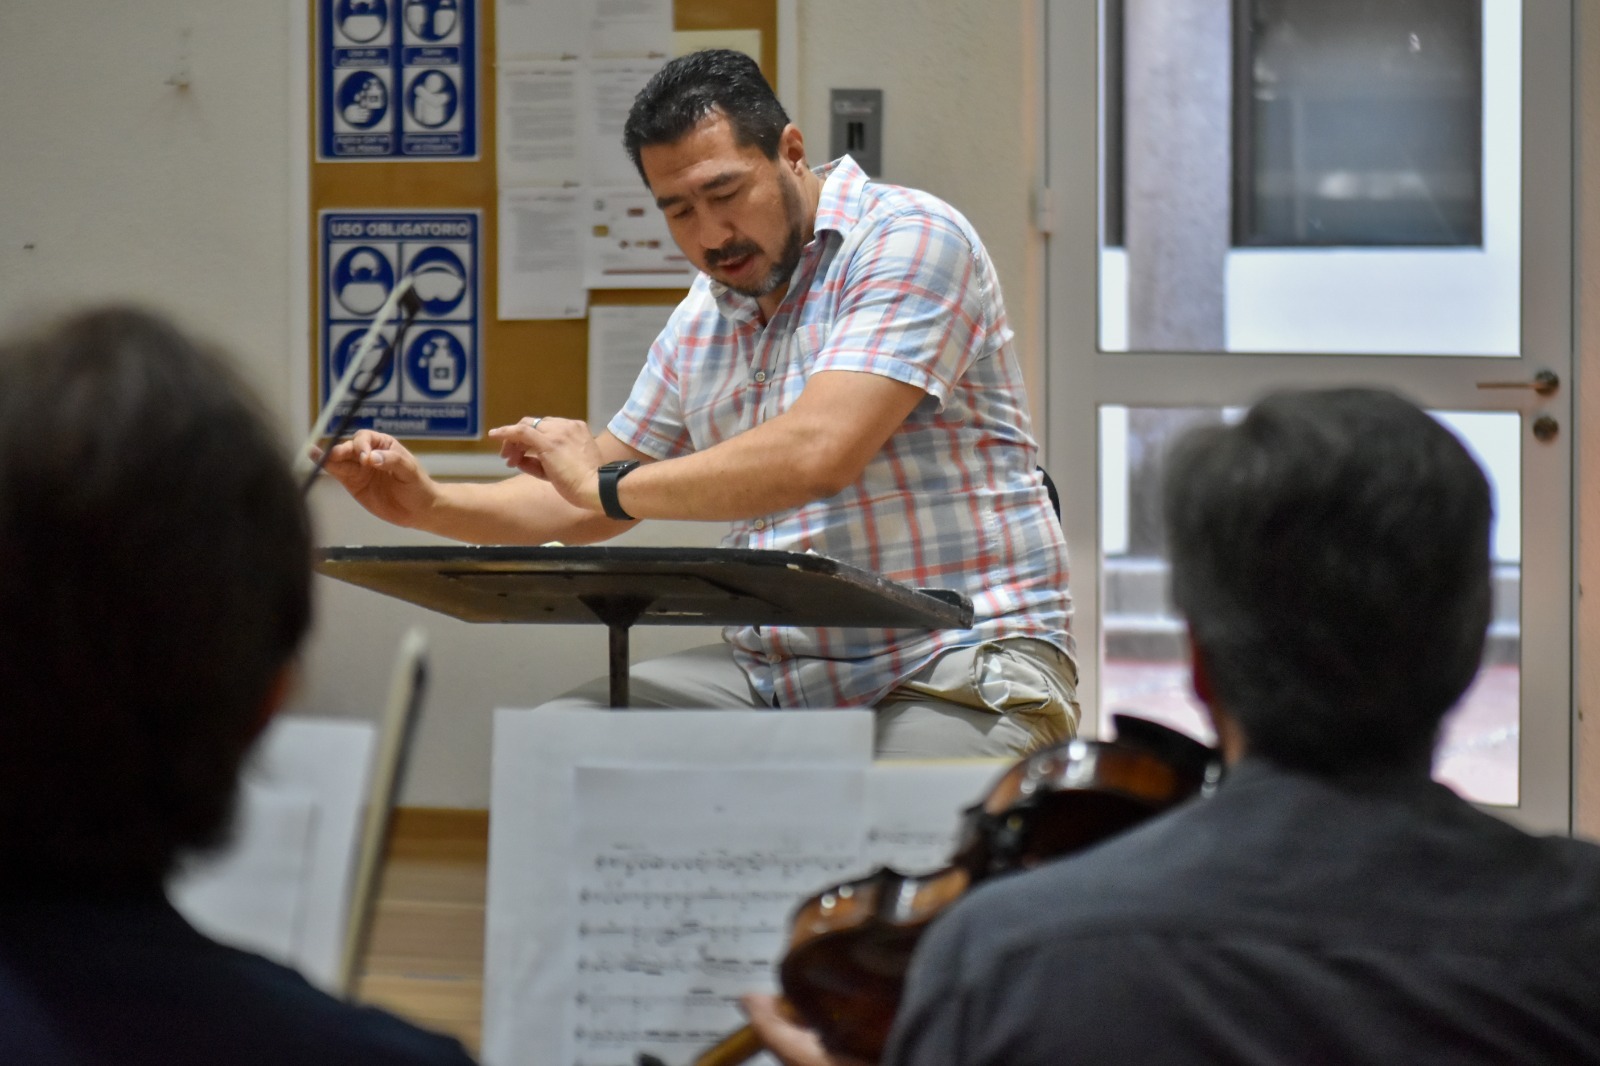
[527,366]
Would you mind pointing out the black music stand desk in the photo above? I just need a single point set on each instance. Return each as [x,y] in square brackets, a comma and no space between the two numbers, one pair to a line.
[624,587]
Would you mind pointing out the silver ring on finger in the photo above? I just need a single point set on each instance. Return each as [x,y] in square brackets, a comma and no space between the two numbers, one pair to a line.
[535,423]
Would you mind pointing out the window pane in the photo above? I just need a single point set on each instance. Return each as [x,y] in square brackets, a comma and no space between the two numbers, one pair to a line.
[1143,669]
[1319,176]
[1358,131]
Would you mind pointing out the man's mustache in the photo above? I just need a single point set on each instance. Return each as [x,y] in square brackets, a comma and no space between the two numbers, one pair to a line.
[736,250]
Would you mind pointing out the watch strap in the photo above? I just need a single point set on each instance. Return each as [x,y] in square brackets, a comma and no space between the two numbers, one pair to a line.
[610,474]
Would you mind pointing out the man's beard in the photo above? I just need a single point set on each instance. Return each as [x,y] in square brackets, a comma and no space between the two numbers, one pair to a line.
[787,260]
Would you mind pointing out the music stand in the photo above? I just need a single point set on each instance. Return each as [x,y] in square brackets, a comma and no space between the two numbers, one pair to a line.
[624,587]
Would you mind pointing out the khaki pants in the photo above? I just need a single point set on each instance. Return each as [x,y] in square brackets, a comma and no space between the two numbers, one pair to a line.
[1000,699]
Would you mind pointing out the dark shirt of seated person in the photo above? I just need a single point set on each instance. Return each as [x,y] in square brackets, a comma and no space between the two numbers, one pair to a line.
[154,592]
[1329,903]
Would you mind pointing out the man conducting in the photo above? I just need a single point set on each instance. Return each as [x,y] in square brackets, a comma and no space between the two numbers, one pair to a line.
[840,379]
[1329,903]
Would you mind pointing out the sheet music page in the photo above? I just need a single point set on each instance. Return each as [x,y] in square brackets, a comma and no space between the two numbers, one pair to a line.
[330,759]
[254,895]
[619,340]
[530,947]
[282,886]
[914,809]
[683,887]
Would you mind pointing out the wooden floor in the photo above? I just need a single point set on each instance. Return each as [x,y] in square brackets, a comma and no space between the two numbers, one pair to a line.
[425,958]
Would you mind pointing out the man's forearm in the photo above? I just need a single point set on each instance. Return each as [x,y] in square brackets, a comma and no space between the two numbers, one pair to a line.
[744,477]
[817,448]
[518,510]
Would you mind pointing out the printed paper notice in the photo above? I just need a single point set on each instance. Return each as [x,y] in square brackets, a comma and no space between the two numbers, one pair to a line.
[629,246]
[630,27]
[613,85]
[541,273]
[619,340]
[536,29]
[539,132]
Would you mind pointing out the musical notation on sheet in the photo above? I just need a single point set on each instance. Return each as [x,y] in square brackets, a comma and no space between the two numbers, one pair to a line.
[683,886]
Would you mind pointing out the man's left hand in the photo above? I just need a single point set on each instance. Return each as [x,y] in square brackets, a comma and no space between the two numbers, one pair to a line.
[560,451]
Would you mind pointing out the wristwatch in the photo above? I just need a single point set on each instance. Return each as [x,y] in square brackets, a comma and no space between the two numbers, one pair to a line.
[610,474]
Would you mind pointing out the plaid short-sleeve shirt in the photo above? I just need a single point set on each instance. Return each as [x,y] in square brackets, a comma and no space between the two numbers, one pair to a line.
[895,282]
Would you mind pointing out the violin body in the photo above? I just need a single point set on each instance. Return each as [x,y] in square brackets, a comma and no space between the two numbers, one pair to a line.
[849,950]
[851,945]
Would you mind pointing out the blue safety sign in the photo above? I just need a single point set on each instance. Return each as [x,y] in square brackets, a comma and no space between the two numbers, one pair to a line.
[397,79]
[432,386]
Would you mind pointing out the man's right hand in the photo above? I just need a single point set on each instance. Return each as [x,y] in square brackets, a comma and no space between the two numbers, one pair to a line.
[383,477]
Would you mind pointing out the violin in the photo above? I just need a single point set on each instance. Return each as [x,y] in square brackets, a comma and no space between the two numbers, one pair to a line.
[850,945]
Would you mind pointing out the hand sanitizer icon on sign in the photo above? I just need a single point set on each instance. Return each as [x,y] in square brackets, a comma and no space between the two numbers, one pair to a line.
[439,364]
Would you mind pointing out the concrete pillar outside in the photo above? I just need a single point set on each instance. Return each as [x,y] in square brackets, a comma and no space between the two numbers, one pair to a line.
[1177,102]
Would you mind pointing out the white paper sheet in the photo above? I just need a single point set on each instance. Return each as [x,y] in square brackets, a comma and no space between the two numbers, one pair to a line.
[303,768]
[630,27]
[682,888]
[539,131]
[540,28]
[541,254]
[613,83]
[628,244]
[253,896]
[619,340]
[746,41]
[914,810]
[529,971]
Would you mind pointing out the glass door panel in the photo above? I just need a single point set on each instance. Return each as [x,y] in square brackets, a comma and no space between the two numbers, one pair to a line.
[1143,667]
[1311,176]
[1320,233]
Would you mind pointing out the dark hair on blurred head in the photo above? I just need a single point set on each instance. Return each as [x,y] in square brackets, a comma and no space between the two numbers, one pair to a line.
[689,88]
[154,581]
[1331,554]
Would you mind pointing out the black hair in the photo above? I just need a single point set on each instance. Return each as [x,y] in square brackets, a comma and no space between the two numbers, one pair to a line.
[689,88]
[1331,554]
[154,582]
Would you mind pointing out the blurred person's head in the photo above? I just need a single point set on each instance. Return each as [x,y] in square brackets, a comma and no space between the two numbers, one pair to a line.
[154,589]
[1331,555]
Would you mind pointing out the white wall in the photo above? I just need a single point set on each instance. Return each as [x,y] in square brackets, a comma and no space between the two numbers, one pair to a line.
[961,89]
[116,184]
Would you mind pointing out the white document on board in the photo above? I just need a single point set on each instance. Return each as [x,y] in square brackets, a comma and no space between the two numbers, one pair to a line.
[539,124]
[619,340]
[526,29]
[613,83]
[628,245]
[541,254]
[630,27]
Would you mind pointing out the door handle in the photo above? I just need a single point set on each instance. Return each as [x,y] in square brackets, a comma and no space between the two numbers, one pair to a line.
[1545,383]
